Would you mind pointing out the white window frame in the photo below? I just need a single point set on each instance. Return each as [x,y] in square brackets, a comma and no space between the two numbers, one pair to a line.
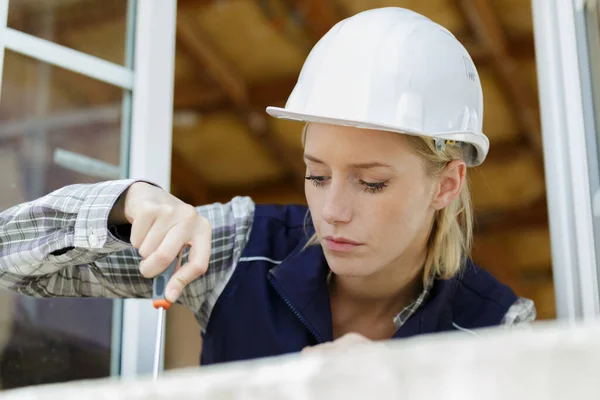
[3,22]
[67,58]
[571,159]
[147,128]
[151,138]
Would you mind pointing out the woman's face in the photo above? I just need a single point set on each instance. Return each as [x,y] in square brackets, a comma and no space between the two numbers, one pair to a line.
[370,199]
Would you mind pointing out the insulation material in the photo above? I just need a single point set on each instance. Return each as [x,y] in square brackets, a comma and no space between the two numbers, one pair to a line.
[548,362]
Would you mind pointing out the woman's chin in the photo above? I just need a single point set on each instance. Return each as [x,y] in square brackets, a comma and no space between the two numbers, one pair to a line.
[348,268]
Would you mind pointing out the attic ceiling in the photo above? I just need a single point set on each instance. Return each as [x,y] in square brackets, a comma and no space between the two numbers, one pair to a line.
[235,57]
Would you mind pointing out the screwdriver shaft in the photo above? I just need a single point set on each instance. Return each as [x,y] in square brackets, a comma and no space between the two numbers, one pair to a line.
[160,302]
[158,353]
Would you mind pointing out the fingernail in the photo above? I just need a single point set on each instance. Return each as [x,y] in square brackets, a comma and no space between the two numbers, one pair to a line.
[172,295]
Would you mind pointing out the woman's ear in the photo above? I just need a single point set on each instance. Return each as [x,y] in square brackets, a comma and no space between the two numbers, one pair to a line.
[450,183]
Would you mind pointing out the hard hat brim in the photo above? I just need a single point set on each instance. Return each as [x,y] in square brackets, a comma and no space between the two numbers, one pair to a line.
[479,142]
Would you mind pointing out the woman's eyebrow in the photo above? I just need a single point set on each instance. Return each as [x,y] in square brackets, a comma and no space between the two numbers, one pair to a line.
[355,165]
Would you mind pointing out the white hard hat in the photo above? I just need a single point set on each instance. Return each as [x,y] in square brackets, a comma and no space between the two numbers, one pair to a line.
[395,70]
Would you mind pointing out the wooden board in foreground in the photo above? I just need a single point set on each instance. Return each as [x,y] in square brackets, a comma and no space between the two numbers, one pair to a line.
[547,362]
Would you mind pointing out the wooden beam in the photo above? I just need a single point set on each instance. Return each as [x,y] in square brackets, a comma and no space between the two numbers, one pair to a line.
[272,92]
[521,47]
[189,187]
[194,95]
[280,192]
[233,85]
[509,178]
[191,94]
[487,29]
[67,16]
[533,216]
[317,16]
[200,48]
[256,120]
[186,181]
[506,151]
[190,5]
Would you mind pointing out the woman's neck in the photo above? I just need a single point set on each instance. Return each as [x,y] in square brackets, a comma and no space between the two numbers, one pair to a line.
[363,304]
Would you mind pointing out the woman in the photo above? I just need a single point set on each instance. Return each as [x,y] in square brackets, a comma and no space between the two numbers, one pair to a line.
[393,107]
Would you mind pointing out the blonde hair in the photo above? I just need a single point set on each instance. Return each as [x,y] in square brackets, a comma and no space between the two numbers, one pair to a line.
[451,235]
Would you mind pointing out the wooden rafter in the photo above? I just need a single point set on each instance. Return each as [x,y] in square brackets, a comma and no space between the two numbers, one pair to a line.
[263,192]
[505,152]
[521,47]
[68,16]
[184,176]
[199,47]
[317,16]
[533,216]
[502,54]
[201,97]
[193,95]
[487,29]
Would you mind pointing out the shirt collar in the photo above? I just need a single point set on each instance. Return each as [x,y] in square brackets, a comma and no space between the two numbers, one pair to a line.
[411,308]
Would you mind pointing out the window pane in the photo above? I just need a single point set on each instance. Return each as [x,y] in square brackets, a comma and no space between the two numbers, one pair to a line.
[44,109]
[592,25]
[592,21]
[95,27]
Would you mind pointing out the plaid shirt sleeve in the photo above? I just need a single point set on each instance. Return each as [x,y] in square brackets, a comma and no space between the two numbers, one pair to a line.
[60,246]
[522,312]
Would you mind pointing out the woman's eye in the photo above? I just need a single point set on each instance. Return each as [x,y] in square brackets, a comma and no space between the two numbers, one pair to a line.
[318,181]
[370,187]
[374,187]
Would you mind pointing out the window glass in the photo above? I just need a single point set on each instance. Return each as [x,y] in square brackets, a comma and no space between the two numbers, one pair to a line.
[48,118]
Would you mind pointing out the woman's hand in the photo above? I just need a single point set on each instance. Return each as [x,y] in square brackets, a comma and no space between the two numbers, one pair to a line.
[161,225]
[343,342]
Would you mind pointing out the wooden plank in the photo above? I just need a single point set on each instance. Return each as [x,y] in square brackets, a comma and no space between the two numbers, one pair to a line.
[200,48]
[198,96]
[256,120]
[513,255]
[233,85]
[272,92]
[194,95]
[511,183]
[282,192]
[186,182]
[318,16]
[506,151]
[487,29]
[520,48]
[532,216]
[277,192]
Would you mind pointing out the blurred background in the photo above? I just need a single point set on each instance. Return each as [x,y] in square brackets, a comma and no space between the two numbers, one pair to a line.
[233,58]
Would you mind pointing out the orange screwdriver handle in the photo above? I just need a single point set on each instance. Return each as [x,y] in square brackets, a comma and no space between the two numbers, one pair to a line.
[159,285]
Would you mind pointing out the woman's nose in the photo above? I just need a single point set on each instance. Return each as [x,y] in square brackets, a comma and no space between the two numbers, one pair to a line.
[338,204]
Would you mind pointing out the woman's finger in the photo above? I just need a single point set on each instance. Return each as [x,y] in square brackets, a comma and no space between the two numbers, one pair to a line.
[142,224]
[197,263]
[172,244]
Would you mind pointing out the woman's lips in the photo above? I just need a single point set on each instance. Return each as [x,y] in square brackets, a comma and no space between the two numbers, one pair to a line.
[340,244]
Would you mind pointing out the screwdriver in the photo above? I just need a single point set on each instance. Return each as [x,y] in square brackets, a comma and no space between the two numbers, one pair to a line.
[160,302]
